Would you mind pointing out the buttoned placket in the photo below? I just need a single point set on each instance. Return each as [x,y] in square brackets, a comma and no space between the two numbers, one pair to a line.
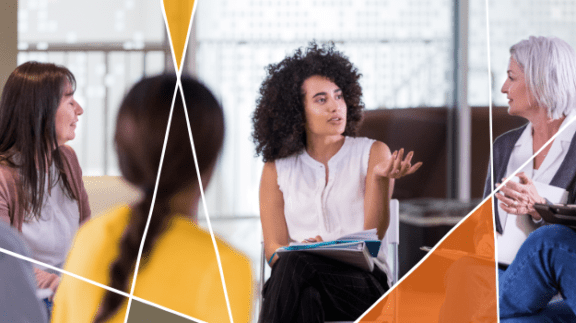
[328,222]
[323,187]
[320,188]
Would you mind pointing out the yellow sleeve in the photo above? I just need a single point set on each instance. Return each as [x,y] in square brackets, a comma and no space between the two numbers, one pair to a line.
[76,300]
[59,313]
[89,257]
[238,276]
[238,279]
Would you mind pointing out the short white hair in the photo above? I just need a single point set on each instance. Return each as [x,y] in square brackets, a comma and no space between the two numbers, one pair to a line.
[549,66]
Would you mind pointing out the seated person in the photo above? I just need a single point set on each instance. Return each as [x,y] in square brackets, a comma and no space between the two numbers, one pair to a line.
[42,194]
[319,182]
[541,87]
[179,268]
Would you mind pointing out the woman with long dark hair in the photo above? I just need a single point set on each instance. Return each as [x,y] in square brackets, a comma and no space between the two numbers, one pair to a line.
[42,194]
[179,269]
[319,182]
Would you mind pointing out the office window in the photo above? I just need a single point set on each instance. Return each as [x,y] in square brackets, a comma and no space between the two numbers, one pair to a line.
[108,45]
[402,48]
[511,21]
[477,55]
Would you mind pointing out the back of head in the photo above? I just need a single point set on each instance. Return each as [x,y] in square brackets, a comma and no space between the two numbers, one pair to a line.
[141,126]
[549,66]
[28,106]
[140,133]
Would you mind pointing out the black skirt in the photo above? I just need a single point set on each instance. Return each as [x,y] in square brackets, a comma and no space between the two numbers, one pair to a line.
[309,288]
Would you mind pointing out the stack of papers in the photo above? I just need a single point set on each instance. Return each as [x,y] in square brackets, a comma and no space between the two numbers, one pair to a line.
[357,249]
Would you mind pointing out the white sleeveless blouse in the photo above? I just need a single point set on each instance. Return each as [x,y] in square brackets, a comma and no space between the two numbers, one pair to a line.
[312,206]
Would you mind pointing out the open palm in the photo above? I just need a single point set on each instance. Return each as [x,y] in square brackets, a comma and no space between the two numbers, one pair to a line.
[396,167]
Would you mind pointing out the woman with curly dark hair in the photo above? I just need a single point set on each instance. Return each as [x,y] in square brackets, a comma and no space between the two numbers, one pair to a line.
[319,183]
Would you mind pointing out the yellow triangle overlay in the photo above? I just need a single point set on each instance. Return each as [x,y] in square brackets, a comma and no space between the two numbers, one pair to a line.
[178,18]
[456,283]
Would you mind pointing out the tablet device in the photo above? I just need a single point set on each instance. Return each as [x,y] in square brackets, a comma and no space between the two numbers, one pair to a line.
[558,213]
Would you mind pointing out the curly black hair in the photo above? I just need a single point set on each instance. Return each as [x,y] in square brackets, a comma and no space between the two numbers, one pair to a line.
[279,116]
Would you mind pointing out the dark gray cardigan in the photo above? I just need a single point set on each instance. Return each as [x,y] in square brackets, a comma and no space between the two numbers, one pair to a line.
[564,178]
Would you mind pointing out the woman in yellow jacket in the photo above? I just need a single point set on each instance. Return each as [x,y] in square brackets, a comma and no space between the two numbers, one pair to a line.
[179,269]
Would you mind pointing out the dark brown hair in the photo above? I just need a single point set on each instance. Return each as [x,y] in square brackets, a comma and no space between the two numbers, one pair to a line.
[140,130]
[28,106]
[279,124]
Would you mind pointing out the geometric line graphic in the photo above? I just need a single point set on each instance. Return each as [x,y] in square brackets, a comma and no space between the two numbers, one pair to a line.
[203,198]
[454,282]
[178,17]
[139,257]
[56,269]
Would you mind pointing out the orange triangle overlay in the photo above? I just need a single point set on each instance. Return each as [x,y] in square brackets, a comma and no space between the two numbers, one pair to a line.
[178,18]
[456,283]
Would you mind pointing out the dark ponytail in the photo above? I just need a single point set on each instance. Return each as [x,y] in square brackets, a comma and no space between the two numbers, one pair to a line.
[140,130]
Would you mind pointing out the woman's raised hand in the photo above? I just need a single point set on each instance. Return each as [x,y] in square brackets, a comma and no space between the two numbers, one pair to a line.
[395,167]
[519,198]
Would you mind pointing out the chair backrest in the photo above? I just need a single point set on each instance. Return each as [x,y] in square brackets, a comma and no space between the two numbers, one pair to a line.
[393,233]
[262,276]
[392,238]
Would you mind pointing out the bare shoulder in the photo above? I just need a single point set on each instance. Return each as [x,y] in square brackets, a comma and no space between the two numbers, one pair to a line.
[269,172]
[271,197]
[379,152]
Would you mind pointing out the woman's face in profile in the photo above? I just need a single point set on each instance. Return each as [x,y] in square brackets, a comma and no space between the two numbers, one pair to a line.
[67,116]
[520,99]
[324,107]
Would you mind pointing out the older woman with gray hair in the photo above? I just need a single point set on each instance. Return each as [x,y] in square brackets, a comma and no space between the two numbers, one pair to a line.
[536,261]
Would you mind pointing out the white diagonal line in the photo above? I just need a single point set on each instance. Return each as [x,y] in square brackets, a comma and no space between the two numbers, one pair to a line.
[178,74]
[89,281]
[34,261]
[151,208]
[491,170]
[424,258]
[178,68]
[564,126]
[204,205]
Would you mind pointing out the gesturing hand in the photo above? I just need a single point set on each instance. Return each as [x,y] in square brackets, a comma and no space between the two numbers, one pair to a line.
[395,167]
[519,198]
